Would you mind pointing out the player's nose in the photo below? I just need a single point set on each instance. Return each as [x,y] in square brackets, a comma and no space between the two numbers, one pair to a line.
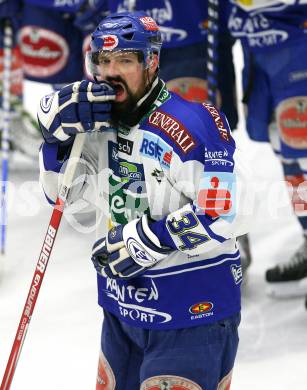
[112,70]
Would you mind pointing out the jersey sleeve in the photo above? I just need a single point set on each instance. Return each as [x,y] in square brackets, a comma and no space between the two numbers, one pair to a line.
[215,177]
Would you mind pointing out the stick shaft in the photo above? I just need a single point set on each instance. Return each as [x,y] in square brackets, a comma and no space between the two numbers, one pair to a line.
[42,262]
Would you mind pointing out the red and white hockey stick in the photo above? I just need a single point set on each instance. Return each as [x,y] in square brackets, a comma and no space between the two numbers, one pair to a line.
[43,259]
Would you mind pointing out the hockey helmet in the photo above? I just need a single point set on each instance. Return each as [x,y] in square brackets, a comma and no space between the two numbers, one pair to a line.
[124,31]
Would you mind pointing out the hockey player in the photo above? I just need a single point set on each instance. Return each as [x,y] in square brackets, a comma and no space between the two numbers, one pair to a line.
[170,186]
[273,35]
[186,75]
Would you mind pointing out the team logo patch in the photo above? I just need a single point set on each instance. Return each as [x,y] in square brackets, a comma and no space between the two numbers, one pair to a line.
[217,193]
[138,253]
[46,103]
[109,42]
[236,271]
[149,23]
[45,52]
[174,129]
[202,307]
[291,117]
[169,382]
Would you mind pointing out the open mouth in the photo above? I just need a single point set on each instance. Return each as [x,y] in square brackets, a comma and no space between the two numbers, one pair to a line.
[119,89]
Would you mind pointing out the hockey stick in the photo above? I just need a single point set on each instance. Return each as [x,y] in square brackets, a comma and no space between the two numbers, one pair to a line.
[6,86]
[212,53]
[42,263]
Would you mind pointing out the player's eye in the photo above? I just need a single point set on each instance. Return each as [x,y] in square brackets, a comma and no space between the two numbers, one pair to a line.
[104,61]
[125,60]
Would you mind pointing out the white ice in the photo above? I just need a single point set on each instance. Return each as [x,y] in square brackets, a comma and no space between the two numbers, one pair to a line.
[61,348]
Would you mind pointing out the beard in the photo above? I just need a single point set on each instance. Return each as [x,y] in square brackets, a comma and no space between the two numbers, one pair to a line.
[123,111]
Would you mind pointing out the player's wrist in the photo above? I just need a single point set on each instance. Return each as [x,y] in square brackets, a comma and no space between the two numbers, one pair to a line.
[139,231]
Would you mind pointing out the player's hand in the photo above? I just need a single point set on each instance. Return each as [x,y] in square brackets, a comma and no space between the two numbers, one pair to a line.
[128,250]
[79,107]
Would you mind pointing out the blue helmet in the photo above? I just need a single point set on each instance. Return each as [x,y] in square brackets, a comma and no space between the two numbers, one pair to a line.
[135,31]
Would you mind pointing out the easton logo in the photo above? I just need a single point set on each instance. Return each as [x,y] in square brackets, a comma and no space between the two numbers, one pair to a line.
[202,307]
[224,133]
[109,42]
[173,129]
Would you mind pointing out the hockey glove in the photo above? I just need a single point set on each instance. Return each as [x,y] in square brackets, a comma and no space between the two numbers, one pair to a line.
[79,107]
[128,250]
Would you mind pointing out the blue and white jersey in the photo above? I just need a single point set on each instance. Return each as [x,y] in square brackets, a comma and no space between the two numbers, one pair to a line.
[70,6]
[181,23]
[263,24]
[181,166]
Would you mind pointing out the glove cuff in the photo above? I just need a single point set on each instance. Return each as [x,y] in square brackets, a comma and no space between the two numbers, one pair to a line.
[140,247]
[149,237]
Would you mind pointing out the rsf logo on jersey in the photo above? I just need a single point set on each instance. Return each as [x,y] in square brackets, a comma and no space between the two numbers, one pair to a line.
[155,148]
[138,253]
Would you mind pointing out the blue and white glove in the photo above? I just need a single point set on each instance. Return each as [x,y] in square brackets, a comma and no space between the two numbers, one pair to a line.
[79,107]
[128,250]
